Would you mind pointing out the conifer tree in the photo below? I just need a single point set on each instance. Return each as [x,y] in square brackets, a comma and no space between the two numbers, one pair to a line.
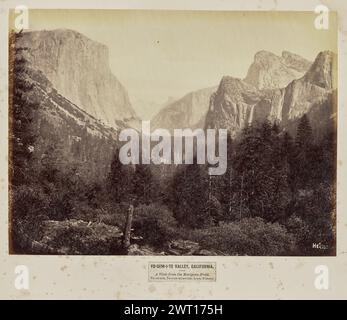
[144,189]
[120,180]
[304,135]
[226,184]
[304,148]
[22,114]
[190,195]
[260,174]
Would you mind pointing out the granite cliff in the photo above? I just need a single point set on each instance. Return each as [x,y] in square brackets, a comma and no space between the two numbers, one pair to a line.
[238,102]
[78,69]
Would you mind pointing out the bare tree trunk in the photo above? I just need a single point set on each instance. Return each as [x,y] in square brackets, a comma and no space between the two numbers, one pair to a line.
[127,229]
[209,194]
[241,197]
[230,192]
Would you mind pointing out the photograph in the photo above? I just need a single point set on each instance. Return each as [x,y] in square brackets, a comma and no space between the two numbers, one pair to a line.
[172,133]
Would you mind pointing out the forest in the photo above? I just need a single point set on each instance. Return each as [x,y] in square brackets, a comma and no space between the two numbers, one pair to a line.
[277,196]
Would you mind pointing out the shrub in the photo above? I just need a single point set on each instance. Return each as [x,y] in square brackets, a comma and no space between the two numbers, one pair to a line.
[155,223]
[83,241]
[250,236]
[29,205]
[317,213]
[28,200]
[79,237]
[300,230]
[114,214]
[24,231]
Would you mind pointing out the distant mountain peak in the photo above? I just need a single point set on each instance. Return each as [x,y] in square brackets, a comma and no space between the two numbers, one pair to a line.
[262,55]
[275,90]
[269,71]
[296,62]
[321,70]
[228,81]
[186,112]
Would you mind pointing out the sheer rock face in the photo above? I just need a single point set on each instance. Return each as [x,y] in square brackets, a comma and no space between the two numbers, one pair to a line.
[311,94]
[314,94]
[322,71]
[235,102]
[78,68]
[232,106]
[269,71]
[238,103]
[188,112]
[296,62]
[77,137]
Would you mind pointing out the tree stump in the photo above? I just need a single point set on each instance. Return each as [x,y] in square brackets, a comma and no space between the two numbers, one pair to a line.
[127,229]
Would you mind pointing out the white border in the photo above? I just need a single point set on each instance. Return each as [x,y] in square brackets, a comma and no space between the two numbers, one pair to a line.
[106,277]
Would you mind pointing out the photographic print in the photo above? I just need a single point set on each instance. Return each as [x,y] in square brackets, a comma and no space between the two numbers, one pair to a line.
[172,133]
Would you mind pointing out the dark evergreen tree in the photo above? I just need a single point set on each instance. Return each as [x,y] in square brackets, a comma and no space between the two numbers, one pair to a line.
[120,180]
[329,151]
[261,174]
[144,186]
[190,195]
[303,154]
[226,185]
[21,114]
[304,136]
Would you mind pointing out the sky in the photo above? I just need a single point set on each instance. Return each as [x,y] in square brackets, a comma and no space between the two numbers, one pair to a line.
[161,54]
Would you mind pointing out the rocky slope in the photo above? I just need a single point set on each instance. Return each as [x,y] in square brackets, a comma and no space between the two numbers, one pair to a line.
[269,71]
[237,102]
[231,106]
[67,131]
[188,112]
[147,109]
[313,94]
[78,69]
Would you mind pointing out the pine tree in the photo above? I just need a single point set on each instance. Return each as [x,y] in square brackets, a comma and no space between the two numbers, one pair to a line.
[304,149]
[226,184]
[22,114]
[329,150]
[287,154]
[276,127]
[190,196]
[260,174]
[246,167]
[53,164]
[304,135]
[144,189]
[120,180]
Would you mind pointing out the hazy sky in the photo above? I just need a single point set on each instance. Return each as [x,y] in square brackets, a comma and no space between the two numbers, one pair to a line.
[157,54]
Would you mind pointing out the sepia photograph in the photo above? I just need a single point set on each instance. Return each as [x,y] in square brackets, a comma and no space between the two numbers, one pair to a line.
[172,133]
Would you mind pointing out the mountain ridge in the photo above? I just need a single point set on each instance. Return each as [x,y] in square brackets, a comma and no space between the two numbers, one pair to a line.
[187,112]
[267,72]
[78,68]
[312,94]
